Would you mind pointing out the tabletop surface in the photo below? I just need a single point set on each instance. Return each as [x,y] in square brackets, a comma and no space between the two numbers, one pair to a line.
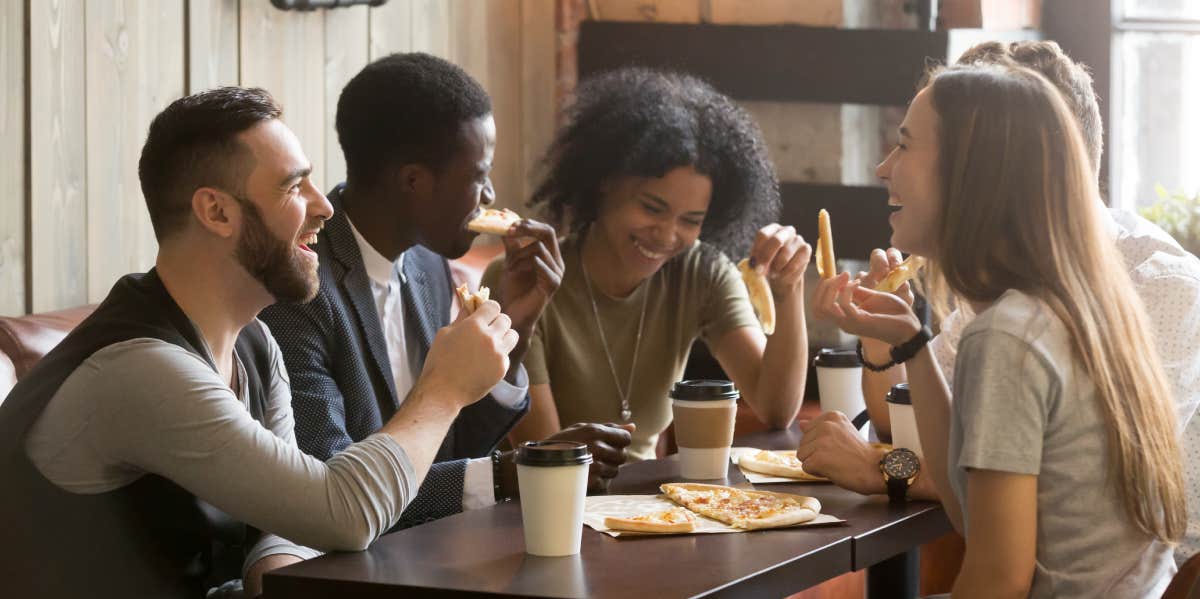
[482,552]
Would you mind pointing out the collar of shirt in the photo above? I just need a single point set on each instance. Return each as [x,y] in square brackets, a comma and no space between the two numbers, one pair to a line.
[379,269]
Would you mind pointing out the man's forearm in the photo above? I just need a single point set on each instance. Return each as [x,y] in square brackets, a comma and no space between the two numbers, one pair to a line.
[420,425]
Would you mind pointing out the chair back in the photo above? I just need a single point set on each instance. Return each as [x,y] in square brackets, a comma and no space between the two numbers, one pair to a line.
[26,339]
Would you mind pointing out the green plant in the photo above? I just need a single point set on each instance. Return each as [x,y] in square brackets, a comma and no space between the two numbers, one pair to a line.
[1178,214]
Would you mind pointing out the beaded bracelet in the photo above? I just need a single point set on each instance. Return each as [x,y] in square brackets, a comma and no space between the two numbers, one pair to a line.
[900,353]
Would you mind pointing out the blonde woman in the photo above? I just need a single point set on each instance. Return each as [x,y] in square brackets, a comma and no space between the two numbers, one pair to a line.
[1058,459]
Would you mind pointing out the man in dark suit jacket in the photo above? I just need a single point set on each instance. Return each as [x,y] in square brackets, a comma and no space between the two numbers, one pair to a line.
[418,136]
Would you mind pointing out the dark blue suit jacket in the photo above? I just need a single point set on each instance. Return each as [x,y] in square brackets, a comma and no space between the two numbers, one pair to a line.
[337,360]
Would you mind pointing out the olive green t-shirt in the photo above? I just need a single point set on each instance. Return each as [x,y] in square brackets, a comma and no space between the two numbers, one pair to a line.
[696,294]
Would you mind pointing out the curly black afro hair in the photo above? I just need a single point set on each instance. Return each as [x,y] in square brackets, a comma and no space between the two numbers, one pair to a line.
[644,123]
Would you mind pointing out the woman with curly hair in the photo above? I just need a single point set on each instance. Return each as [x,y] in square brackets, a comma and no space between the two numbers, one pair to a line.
[660,180]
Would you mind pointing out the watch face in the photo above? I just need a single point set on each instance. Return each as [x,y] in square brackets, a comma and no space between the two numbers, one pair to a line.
[901,463]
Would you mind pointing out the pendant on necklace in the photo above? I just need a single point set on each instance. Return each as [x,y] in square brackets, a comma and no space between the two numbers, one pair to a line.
[626,414]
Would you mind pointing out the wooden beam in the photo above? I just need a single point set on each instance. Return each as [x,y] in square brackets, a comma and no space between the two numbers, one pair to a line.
[780,63]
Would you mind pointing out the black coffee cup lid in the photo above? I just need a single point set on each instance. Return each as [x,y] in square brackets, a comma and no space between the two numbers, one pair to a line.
[899,395]
[553,453]
[837,358]
[704,390]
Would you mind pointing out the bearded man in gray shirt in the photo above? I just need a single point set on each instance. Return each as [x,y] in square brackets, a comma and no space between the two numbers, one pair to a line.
[145,440]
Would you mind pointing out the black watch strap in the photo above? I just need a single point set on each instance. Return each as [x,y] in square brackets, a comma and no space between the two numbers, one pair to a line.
[897,490]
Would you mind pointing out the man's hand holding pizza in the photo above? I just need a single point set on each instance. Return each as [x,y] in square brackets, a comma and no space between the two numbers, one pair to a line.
[533,271]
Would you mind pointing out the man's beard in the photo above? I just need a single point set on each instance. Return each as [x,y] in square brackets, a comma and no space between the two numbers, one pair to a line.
[275,263]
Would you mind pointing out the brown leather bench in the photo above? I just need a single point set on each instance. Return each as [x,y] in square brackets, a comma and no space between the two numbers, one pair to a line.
[25,339]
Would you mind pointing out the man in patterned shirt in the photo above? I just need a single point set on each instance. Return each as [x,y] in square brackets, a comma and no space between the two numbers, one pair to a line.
[1165,275]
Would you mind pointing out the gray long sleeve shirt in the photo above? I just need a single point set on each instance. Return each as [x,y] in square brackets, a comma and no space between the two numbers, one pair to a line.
[147,406]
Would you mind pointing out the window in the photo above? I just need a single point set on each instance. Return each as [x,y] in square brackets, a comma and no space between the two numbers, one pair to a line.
[1155,129]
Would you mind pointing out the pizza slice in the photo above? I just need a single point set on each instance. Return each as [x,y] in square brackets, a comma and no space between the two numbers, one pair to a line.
[760,295]
[904,272]
[777,463]
[471,301]
[744,509]
[672,520]
[496,222]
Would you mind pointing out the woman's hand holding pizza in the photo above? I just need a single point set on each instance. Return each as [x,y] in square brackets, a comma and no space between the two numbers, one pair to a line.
[864,312]
[883,263]
[781,255]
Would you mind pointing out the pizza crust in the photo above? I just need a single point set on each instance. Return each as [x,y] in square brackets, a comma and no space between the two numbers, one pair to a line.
[758,462]
[826,264]
[904,272]
[471,301]
[794,509]
[658,522]
[495,222]
[760,295]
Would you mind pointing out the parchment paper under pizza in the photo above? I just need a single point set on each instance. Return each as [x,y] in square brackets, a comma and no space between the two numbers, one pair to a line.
[599,508]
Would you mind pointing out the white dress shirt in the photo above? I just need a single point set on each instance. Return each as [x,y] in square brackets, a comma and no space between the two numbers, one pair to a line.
[386,277]
[1167,278]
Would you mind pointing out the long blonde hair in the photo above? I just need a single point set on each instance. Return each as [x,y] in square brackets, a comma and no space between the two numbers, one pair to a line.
[1020,211]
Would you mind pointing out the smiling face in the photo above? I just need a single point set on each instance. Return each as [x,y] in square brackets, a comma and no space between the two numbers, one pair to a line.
[461,188]
[282,211]
[912,177]
[645,221]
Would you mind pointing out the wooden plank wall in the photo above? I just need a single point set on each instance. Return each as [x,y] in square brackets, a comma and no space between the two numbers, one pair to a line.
[83,78]
[13,125]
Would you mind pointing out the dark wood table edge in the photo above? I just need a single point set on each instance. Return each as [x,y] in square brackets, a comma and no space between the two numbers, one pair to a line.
[783,579]
[875,546]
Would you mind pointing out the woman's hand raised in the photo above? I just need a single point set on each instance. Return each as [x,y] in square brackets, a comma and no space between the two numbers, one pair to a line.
[864,312]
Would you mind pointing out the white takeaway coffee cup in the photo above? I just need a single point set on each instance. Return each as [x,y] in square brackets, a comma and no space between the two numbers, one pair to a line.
[904,421]
[704,414]
[839,383]
[552,476]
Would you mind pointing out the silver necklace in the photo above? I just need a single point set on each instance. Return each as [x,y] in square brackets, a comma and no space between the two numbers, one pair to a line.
[626,413]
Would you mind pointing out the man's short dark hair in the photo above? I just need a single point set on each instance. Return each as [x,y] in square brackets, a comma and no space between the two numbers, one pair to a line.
[405,109]
[1071,78]
[193,143]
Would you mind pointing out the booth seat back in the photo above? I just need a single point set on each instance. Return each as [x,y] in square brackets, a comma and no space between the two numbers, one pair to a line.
[25,339]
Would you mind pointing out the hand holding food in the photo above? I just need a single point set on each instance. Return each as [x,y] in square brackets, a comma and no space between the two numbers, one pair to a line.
[864,312]
[760,295]
[779,258]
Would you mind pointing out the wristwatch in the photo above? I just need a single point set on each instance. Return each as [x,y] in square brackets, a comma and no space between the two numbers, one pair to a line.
[900,467]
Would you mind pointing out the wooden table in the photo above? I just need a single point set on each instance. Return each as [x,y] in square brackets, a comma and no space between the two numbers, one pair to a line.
[481,552]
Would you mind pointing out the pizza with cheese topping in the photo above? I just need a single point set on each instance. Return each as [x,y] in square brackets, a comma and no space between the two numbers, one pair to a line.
[672,520]
[744,509]
[777,463]
[496,222]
